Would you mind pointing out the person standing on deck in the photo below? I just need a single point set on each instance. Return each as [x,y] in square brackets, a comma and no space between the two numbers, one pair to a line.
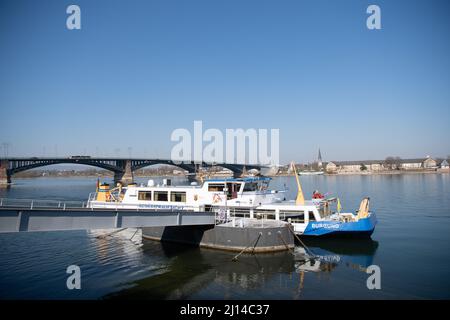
[317,195]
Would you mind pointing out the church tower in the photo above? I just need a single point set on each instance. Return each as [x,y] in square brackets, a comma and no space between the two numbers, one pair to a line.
[319,159]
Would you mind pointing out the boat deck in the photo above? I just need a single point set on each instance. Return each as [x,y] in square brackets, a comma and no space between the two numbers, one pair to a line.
[254,223]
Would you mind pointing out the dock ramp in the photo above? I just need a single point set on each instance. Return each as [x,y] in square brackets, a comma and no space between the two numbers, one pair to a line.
[24,215]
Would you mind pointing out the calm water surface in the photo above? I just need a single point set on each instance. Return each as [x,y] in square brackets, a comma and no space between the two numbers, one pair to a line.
[410,244]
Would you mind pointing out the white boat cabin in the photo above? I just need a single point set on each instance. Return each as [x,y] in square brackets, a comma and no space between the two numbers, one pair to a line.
[247,192]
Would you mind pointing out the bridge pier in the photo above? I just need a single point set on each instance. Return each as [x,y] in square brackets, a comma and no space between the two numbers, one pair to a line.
[5,176]
[126,176]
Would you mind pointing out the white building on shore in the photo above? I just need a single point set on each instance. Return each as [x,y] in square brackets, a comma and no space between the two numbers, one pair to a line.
[444,165]
[427,163]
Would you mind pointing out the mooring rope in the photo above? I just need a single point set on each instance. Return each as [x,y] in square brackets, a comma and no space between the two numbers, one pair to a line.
[237,256]
[254,246]
[285,244]
[137,229]
[301,242]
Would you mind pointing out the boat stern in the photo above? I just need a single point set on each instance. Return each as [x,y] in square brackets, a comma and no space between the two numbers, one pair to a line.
[363,227]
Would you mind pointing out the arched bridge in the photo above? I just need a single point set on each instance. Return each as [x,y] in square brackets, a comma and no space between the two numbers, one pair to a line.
[123,168]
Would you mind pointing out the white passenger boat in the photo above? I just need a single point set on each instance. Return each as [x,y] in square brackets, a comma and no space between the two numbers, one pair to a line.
[249,197]
[310,173]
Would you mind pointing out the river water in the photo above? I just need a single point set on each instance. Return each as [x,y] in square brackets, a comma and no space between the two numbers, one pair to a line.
[410,245]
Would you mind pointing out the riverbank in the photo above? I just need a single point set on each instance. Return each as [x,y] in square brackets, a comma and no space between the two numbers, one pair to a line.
[108,175]
[394,172]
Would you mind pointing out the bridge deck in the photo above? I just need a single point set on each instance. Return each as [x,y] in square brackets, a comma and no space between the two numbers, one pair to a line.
[17,219]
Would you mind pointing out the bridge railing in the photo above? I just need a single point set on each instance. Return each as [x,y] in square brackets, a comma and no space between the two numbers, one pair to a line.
[37,204]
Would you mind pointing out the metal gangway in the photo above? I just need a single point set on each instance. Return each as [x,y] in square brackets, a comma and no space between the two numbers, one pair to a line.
[17,215]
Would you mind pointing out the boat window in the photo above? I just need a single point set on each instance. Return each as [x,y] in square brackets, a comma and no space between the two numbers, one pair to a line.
[232,191]
[214,187]
[295,216]
[161,196]
[250,187]
[264,185]
[178,196]
[312,217]
[145,195]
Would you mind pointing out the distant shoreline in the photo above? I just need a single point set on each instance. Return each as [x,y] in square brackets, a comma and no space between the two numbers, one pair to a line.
[277,175]
[374,173]
[95,176]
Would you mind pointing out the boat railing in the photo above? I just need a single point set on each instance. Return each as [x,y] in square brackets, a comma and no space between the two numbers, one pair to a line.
[92,196]
[240,212]
[41,204]
[113,197]
[238,215]
[63,205]
[296,220]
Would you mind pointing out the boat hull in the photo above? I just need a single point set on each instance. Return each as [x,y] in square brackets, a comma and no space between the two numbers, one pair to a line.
[251,238]
[313,173]
[363,228]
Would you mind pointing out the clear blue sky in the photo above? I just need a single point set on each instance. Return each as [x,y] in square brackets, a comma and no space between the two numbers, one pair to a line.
[137,70]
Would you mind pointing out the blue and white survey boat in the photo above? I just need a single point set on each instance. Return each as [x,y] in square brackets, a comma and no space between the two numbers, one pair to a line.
[314,218]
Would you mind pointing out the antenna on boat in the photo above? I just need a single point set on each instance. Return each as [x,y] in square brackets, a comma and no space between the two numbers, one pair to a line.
[300,200]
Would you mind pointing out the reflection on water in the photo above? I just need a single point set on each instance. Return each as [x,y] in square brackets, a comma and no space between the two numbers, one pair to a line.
[195,271]
[353,253]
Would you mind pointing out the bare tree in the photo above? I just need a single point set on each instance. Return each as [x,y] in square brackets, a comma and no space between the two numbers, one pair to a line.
[389,162]
[398,163]
[393,163]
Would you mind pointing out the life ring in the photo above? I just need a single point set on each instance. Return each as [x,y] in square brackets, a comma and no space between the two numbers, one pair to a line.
[216,198]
